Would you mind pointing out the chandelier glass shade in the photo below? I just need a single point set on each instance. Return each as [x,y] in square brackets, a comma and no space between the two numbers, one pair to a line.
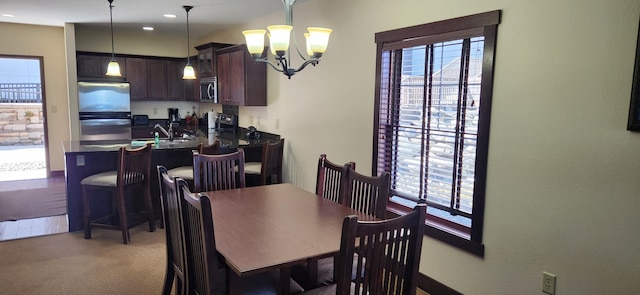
[317,40]
[113,68]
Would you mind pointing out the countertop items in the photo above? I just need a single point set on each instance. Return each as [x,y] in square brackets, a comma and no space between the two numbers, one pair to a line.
[227,141]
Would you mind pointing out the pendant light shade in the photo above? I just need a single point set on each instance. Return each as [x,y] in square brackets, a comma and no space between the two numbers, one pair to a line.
[113,68]
[189,73]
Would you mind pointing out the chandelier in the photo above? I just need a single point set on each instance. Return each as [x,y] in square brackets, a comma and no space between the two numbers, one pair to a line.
[317,40]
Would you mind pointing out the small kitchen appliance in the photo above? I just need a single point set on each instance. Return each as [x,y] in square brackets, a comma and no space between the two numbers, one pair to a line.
[174,116]
[209,89]
[227,123]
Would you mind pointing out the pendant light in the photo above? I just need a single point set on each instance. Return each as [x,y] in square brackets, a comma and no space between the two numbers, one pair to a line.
[113,68]
[189,72]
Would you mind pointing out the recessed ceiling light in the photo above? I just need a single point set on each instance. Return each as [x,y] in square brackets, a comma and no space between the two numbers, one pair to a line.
[147,28]
[169,15]
[8,15]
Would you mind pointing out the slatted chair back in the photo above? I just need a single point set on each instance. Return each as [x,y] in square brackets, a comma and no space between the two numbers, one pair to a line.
[272,162]
[388,255]
[367,194]
[176,260]
[206,272]
[218,172]
[329,180]
[134,166]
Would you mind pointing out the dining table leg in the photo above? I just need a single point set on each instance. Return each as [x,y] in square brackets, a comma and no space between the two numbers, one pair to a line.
[285,281]
[312,273]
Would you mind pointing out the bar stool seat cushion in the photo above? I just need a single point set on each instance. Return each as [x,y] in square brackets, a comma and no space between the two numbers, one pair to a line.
[184,172]
[253,168]
[108,178]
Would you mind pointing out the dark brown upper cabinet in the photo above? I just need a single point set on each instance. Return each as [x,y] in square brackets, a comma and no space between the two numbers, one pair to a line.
[241,80]
[91,65]
[207,58]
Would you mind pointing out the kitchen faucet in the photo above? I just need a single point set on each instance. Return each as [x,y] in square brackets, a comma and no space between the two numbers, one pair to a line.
[169,133]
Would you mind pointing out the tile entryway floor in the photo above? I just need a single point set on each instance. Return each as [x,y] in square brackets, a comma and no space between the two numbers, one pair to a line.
[22,162]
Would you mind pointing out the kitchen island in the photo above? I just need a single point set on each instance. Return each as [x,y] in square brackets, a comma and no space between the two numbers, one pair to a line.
[87,158]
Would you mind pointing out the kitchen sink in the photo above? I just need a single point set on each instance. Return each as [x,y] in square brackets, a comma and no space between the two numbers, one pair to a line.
[164,140]
[177,140]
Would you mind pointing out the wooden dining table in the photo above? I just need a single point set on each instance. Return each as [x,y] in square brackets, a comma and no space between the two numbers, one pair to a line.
[273,227]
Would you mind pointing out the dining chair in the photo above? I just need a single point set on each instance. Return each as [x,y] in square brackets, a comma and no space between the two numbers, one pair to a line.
[186,172]
[367,194]
[271,165]
[176,260]
[207,272]
[379,257]
[218,172]
[330,184]
[133,172]
[329,181]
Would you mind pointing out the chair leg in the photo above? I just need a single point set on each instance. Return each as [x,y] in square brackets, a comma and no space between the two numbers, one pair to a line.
[86,213]
[181,288]
[122,213]
[168,280]
[149,205]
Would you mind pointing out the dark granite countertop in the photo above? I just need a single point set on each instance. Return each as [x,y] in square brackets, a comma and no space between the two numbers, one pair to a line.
[190,140]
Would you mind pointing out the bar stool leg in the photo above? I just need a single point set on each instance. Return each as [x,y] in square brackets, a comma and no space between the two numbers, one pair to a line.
[122,213]
[149,205]
[86,213]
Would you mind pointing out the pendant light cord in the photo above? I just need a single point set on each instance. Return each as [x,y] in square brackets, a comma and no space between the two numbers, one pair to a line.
[111,21]
[187,8]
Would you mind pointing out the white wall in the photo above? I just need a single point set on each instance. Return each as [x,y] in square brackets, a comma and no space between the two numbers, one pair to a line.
[47,42]
[151,43]
[563,193]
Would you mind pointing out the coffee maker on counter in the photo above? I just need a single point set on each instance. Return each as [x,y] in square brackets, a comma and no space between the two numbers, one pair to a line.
[174,116]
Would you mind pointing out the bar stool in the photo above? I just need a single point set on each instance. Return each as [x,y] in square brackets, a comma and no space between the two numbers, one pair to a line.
[134,171]
[270,166]
[186,172]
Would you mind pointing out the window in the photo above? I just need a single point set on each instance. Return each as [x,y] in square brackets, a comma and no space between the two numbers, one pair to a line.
[433,104]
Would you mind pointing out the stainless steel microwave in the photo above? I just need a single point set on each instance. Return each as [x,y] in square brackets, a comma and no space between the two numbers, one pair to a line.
[209,89]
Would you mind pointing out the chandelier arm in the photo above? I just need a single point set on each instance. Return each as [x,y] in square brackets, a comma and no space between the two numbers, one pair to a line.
[295,44]
[270,63]
[305,64]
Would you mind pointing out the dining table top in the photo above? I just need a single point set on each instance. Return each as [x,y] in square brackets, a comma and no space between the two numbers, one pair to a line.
[270,227]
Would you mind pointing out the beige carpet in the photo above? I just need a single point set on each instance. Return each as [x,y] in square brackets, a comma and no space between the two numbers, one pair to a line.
[68,264]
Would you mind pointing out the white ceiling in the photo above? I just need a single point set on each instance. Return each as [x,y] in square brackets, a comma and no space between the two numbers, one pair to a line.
[207,15]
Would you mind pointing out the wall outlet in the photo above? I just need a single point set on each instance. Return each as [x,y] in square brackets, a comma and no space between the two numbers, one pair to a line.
[155,111]
[548,283]
[79,160]
[250,120]
[277,123]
